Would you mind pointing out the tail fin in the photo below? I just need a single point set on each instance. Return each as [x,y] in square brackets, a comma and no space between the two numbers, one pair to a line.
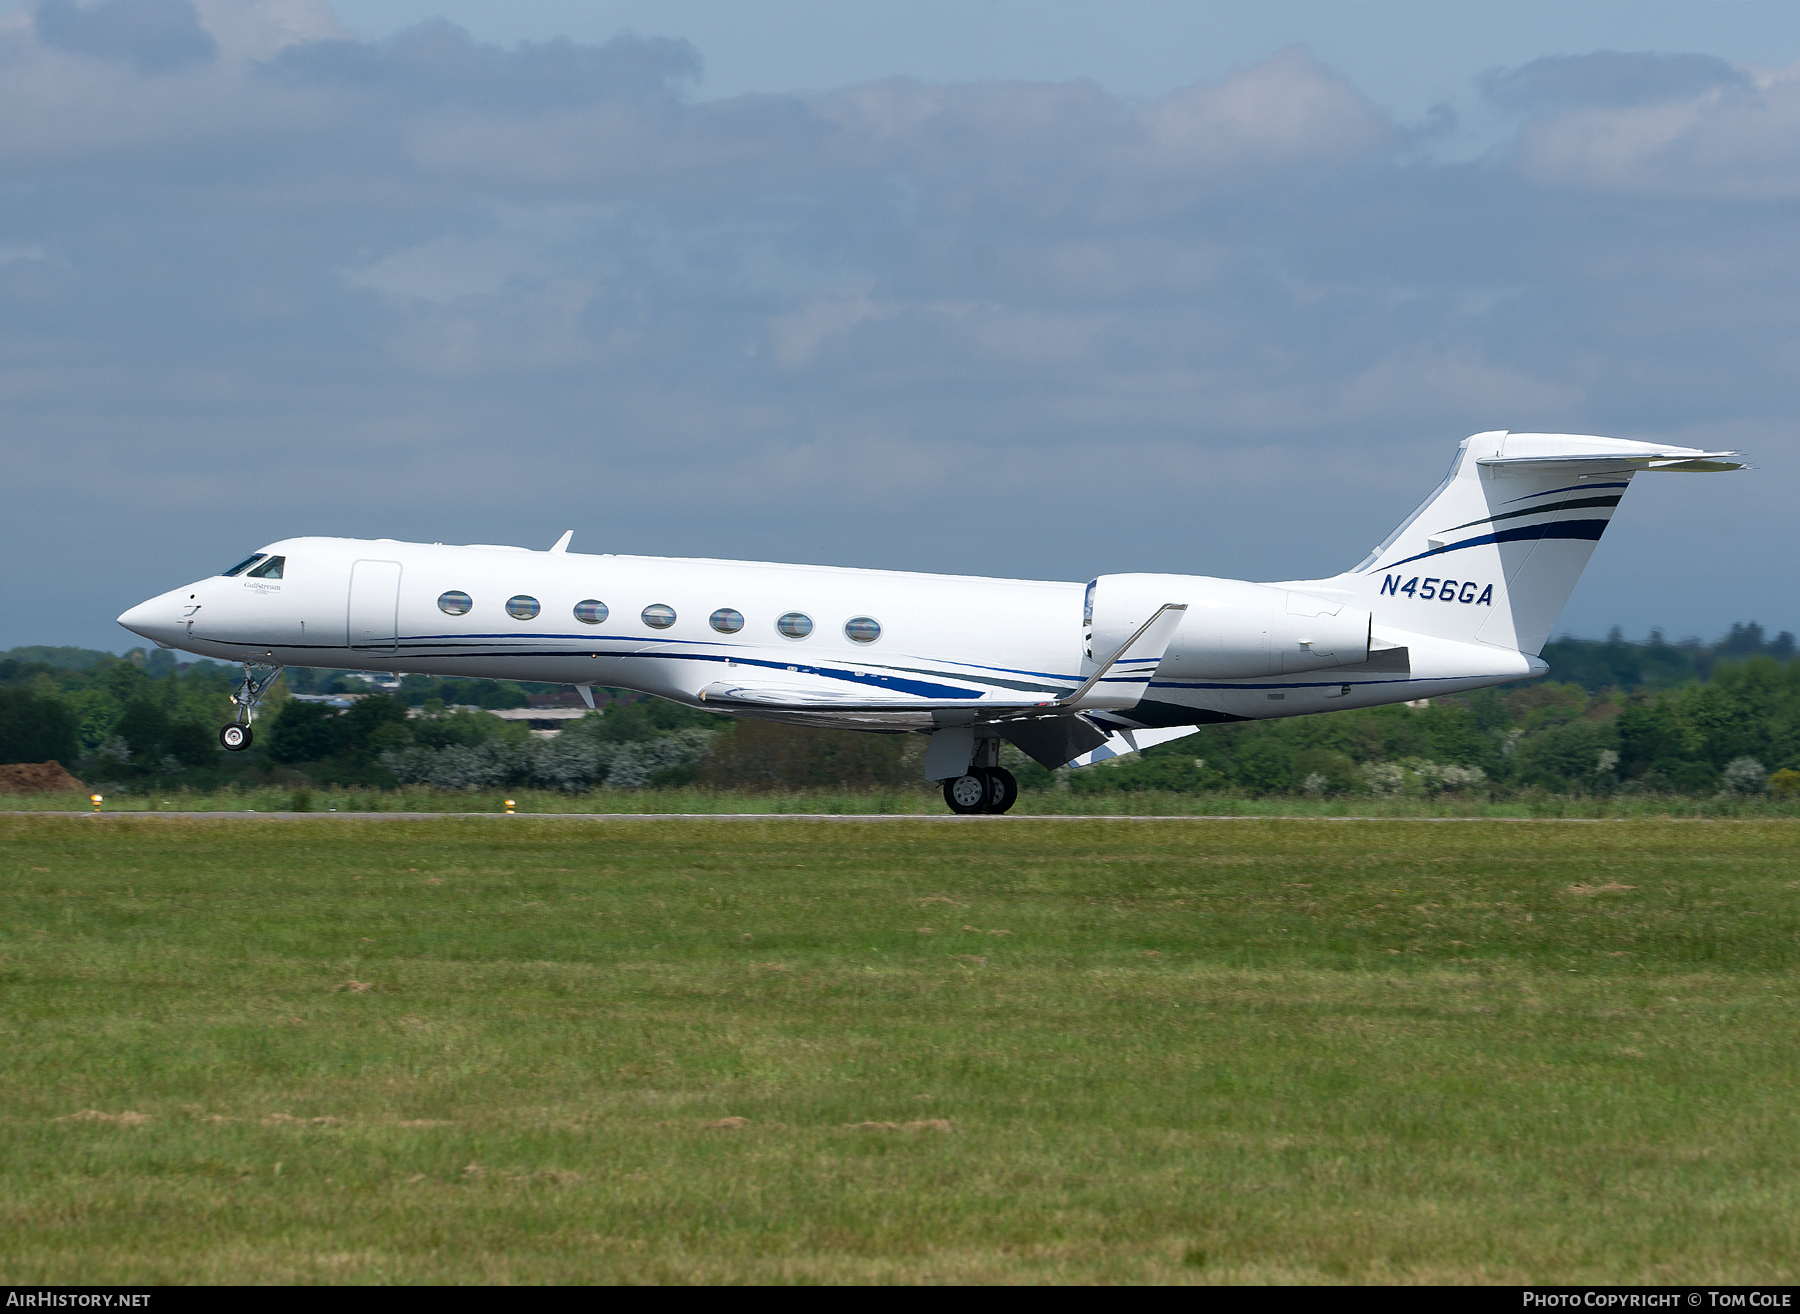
[1494,553]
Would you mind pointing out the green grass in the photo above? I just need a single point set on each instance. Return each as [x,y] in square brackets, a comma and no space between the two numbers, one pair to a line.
[481,1051]
[920,800]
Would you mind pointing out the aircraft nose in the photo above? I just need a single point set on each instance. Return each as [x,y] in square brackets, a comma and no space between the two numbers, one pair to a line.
[153,619]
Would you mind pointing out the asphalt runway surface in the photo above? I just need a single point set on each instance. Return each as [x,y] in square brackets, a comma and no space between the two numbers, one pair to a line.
[250,815]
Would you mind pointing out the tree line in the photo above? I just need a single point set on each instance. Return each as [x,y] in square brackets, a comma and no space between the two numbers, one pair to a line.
[1650,717]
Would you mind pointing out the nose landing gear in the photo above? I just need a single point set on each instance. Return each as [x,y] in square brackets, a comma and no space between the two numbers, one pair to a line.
[237,736]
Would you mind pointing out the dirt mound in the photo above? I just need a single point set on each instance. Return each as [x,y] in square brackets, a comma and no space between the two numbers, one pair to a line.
[36,778]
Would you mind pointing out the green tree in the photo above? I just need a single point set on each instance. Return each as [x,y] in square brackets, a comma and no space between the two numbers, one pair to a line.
[1265,765]
[1568,756]
[306,732]
[1336,771]
[35,729]
[1649,738]
[153,735]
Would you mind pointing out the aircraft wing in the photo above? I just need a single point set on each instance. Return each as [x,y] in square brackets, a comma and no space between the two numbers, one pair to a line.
[1121,742]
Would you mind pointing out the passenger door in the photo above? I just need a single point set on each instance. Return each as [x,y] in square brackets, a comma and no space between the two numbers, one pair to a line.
[374,606]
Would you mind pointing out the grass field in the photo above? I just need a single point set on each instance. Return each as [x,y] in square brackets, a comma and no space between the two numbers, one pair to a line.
[921,800]
[335,1050]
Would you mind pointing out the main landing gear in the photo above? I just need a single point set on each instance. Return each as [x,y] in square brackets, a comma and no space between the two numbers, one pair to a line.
[238,736]
[987,787]
[984,789]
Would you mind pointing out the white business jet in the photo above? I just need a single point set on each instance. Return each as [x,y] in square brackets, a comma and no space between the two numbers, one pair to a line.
[1462,595]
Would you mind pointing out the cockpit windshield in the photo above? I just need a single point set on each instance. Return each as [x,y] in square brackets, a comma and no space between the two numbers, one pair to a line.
[270,569]
[245,564]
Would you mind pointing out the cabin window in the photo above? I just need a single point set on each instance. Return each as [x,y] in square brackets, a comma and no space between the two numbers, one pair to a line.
[726,621]
[591,612]
[659,615]
[796,625]
[455,603]
[521,607]
[245,564]
[862,629]
[270,569]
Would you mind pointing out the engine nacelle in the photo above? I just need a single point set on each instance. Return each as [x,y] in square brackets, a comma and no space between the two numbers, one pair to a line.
[1233,629]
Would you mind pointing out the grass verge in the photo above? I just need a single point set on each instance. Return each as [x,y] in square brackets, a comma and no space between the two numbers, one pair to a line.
[641,1051]
[921,800]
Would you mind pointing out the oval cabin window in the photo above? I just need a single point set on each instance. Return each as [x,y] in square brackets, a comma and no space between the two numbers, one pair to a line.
[863,629]
[727,621]
[796,625]
[591,612]
[659,615]
[521,607]
[455,603]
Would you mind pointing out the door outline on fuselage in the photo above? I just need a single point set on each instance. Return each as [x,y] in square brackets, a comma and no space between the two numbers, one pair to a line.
[372,609]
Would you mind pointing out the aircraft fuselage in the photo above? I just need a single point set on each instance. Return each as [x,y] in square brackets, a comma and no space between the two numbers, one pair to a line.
[674,626]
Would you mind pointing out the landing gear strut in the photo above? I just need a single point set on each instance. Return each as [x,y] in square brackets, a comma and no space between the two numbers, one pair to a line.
[987,787]
[237,736]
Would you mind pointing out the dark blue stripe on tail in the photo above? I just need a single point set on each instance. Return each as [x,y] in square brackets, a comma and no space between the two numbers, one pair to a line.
[1588,529]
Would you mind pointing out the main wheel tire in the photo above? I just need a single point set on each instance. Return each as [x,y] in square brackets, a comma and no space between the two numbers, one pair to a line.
[235,738]
[968,794]
[1003,789]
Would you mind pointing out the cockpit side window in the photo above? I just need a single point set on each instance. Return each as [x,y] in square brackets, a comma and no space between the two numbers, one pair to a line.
[270,569]
[243,565]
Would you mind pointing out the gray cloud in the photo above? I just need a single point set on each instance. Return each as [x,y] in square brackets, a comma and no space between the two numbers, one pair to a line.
[154,35]
[427,288]
[1611,79]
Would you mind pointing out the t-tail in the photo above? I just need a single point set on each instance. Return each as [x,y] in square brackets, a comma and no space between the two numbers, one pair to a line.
[1492,556]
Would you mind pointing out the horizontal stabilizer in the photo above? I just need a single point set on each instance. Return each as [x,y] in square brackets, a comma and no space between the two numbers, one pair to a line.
[1685,460]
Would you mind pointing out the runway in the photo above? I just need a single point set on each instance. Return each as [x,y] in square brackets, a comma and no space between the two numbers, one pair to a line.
[948,818]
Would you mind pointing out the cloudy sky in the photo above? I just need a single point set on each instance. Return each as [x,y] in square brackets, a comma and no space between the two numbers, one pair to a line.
[998,288]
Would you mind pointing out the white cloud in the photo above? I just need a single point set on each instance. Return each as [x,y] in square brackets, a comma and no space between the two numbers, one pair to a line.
[1284,111]
[795,336]
[1724,141]
[261,29]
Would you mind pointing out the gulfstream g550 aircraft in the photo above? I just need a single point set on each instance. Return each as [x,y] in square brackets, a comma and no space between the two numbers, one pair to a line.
[1462,595]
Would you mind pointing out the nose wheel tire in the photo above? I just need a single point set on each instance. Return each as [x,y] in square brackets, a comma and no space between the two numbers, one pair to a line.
[983,790]
[235,738]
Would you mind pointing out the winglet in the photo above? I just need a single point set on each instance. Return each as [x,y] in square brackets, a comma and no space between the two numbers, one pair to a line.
[562,544]
[1142,653]
[587,695]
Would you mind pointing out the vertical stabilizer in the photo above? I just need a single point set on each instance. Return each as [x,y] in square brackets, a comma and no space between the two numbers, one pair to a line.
[1494,553]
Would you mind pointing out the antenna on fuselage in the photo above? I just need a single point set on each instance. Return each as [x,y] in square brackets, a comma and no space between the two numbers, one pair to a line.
[562,544]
